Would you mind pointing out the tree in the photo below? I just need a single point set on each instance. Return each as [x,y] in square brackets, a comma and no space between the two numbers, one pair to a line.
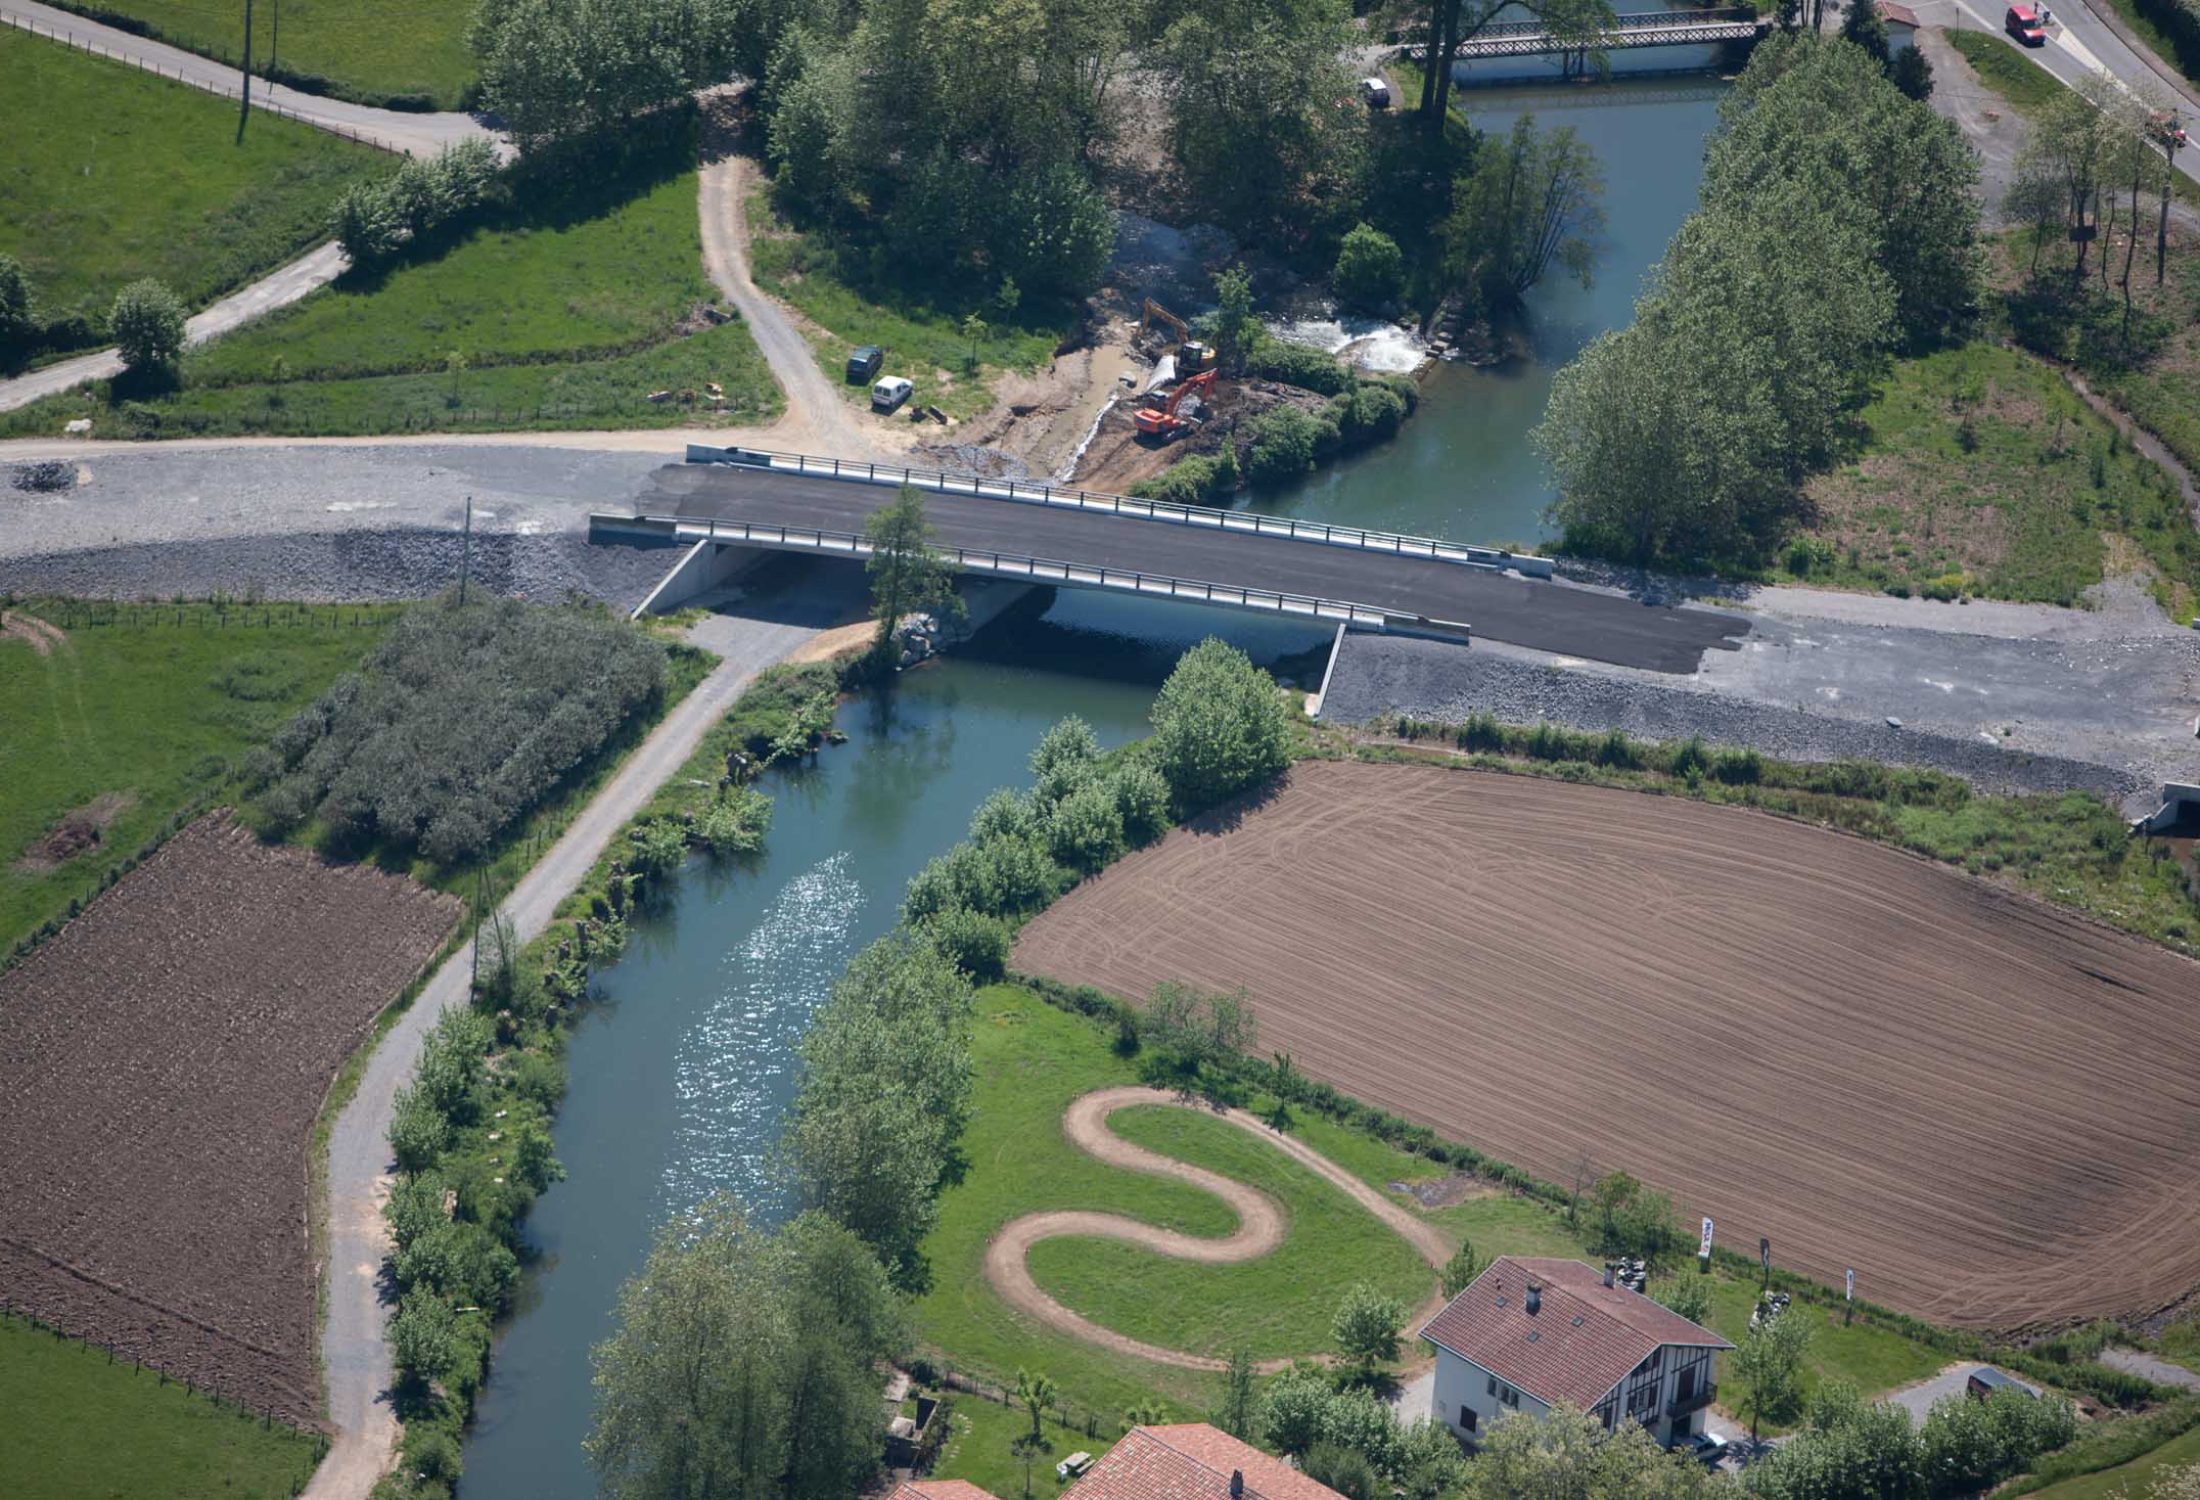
[1366,1326]
[146,323]
[1912,72]
[1192,1032]
[1769,1366]
[1634,1220]
[1459,1272]
[974,329]
[18,316]
[1566,1453]
[1371,270]
[1690,1296]
[744,1363]
[1862,26]
[1219,726]
[1451,23]
[1236,330]
[1240,1408]
[1035,1392]
[907,574]
[1067,757]
[1530,200]
[1293,1411]
[558,71]
[1345,1470]
[422,1339]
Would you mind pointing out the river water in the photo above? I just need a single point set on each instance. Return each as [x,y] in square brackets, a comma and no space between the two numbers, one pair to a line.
[679,1075]
[1462,468]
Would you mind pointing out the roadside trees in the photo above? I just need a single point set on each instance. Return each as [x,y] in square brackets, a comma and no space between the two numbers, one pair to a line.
[561,70]
[906,574]
[146,323]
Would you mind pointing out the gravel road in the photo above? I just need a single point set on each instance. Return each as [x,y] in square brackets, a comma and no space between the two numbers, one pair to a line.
[354,1346]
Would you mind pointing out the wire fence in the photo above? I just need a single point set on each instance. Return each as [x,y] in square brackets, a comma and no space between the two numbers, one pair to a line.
[214,612]
[97,45]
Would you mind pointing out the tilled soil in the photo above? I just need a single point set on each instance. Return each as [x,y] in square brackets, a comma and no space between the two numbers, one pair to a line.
[1980,1103]
[161,1062]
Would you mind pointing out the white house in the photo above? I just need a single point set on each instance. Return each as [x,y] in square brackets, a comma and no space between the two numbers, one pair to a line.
[1527,1334]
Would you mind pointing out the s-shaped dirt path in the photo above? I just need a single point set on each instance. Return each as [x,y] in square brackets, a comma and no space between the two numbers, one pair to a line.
[1261,1220]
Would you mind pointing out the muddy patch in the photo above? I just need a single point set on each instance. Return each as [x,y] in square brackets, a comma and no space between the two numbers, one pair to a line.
[32,631]
[1446,1192]
[79,829]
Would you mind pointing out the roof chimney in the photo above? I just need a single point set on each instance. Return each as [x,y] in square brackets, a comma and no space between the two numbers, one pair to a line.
[1535,1298]
[1237,1484]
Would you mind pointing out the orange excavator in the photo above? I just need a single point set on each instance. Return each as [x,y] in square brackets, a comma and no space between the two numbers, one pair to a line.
[1166,421]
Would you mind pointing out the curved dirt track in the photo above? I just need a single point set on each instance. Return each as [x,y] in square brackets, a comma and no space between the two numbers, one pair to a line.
[1261,1221]
[1982,1103]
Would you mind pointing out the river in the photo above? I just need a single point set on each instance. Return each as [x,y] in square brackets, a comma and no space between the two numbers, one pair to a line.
[681,1071]
[1462,468]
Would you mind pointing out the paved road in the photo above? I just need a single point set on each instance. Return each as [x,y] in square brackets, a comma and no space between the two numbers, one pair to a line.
[279,288]
[354,1347]
[1918,1399]
[1554,617]
[392,130]
[2150,1367]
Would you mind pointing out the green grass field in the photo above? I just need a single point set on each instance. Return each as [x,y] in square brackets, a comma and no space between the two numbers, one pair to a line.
[369,50]
[560,315]
[2129,1481]
[922,341]
[1867,1355]
[1031,1060]
[80,1428]
[980,1449]
[151,715]
[111,174]
[1984,473]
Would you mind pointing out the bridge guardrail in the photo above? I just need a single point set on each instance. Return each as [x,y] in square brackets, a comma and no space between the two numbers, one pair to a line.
[1030,493]
[1077,575]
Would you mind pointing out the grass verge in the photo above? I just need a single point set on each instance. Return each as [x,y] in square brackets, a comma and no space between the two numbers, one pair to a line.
[398,54]
[80,1424]
[2133,1479]
[565,310]
[112,175]
[2118,1458]
[923,340]
[137,720]
[1984,474]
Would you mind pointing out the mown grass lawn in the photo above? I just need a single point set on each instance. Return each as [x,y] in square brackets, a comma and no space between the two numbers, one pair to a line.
[111,174]
[566,312]
[151,714]
[370,50]
[923,338]
[1983,473]
[80,1428]
[982,1452]
[1867,1355]
[2130,1481]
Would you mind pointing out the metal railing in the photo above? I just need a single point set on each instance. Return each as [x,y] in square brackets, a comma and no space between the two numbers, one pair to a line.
[98,47]
[1074,575]
[1028,492]
[1657,28]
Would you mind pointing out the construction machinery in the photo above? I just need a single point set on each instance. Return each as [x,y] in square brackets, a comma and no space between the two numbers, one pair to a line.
[1192,356]
[1169,419]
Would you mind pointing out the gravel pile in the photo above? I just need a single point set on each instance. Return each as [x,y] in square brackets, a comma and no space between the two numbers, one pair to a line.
[407,563]
[1376,674]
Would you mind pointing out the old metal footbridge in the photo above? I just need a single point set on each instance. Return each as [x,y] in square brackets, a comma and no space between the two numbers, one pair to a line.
[1655,28]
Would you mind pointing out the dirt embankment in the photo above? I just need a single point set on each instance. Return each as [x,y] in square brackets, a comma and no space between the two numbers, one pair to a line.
[1979,1102]
[161,1062]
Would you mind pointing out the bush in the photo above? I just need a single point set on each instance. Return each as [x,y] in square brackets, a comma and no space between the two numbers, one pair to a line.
[1285,443]
[1296,364]
[18,319]
[1142,798]
[977,943]
[377,221]
[421,1338]
[1085,829]
[1371,270]
[735,822]
[1220,726]
[1199,480]
[1065,760]
[146,324]
[1367,413]
[1967,1445]
[1004,814]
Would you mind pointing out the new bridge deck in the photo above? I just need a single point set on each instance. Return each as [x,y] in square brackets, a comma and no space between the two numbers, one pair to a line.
[1545,616]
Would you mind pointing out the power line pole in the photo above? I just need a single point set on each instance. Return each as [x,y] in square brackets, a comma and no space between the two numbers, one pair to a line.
[244,92]
[466,553]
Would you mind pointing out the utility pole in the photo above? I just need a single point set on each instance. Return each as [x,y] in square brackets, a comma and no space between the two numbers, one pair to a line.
[274,40]
[466,554]
[244,92]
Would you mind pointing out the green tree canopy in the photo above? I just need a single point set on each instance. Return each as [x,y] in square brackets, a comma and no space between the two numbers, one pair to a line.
[1220,726]
[907,573]
[146,323]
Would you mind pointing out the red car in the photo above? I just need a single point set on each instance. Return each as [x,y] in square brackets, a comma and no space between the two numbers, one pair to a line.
[2023,23]
[2168,130]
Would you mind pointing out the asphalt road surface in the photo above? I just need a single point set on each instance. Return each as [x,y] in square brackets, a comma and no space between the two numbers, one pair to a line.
[1561,618]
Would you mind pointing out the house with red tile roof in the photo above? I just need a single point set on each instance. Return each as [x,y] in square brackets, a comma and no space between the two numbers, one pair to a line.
[1183,1461]
[1530,1333]
[1901,23]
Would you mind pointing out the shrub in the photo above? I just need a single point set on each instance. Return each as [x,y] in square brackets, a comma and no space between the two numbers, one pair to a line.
[418,1130]
[1371,270]
[146,324]
[977,943]
[421,1342]
[1296,364]
[1142,798]
[1085,829]
[735,822]
[1285,443]
[1064,761]
[1739,767]
[658,847]
[1966,1445]
[1367,414]
[1004,814]
[1198,480]
[1220,726]
[18,319]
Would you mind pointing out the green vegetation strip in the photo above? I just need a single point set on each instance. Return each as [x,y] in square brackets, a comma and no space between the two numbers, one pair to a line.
[111,175]
[401,54]
[570,309]
[81,1424]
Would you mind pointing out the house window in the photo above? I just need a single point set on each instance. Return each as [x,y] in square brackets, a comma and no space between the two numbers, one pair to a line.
[1493,1385]
[1467,1419]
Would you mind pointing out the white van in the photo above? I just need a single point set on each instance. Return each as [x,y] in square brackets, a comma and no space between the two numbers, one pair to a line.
[890,393]
[1375,93]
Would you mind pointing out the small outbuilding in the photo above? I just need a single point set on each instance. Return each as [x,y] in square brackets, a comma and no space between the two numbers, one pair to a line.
[1901,23]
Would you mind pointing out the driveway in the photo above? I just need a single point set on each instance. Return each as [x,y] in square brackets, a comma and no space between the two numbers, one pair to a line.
[1918,1399]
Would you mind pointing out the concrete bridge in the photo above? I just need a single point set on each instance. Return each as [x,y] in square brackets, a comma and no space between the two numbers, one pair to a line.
[726,500]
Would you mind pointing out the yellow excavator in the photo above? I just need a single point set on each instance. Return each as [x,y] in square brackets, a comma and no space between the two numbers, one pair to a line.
[1192,357]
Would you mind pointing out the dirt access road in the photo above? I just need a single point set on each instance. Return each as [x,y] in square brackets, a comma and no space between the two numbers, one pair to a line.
[1261,1220]
[1981,1103]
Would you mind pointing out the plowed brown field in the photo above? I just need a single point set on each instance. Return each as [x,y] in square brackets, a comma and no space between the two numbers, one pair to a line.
[161,1061]
[1989,1108]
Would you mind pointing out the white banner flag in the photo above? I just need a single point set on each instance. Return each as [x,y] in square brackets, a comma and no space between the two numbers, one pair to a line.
[1703,1250]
